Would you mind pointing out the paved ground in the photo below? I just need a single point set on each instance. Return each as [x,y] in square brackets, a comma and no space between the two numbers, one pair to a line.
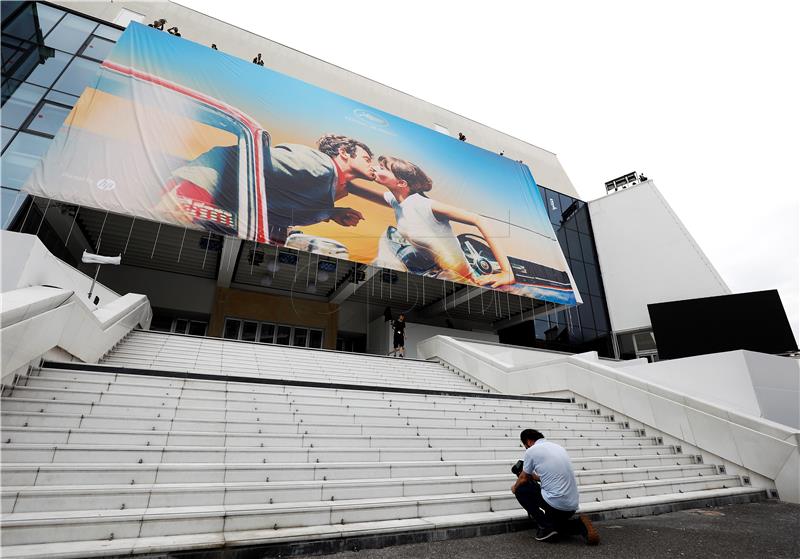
[767,529]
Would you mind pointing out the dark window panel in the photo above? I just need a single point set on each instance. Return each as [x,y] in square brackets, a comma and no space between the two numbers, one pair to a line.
[578,272]
[180,325]
[582,219]
[231,331]
[108,32]
[587,248]
[553,206]
[197,328]
[48,119]
[561,235]
[249,330]
[70,33]
[46,74]
[267,334]
[98,48]
[161,323]
[283,334]
[79,75]
[62,98]
[599,310]
[593,279]
[541,327]
[10,204]
[22,154]
[8,133]
[300,337]
[48,17]
[585,312]
[574,244]
[566,203]
[19,106]
[315,338]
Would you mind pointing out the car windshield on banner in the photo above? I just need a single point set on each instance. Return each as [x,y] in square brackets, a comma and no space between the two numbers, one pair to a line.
[175,132]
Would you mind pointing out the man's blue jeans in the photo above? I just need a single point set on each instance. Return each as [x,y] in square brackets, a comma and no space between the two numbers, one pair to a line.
[530,497]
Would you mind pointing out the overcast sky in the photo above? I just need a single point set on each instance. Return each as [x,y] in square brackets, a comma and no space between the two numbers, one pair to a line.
[702,96]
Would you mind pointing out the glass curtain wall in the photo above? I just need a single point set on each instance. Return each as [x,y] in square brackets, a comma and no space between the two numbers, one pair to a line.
[44,94]
[584,327]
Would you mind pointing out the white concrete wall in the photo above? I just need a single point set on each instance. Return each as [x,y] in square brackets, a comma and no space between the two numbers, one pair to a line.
[195,26]
[27,262]
[745,381]
[43,305]
[647,256]
[776,381]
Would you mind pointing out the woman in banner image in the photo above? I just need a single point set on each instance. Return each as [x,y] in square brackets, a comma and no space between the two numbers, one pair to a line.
[424,241]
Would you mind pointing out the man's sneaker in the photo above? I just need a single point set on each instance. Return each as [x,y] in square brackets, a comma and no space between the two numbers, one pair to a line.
[545,534]
[589,531]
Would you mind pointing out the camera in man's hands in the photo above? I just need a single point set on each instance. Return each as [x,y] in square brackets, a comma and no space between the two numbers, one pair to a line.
[516,469]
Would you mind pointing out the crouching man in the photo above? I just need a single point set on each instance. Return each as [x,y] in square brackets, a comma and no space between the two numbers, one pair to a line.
[547,489]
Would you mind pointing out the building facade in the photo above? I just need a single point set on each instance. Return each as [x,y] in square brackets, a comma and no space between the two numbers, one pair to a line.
[204,284]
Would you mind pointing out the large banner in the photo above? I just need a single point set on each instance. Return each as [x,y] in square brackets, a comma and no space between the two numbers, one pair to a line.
[176,132]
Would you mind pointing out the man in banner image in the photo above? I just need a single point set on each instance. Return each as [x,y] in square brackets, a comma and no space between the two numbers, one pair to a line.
[423,241]
[302,185]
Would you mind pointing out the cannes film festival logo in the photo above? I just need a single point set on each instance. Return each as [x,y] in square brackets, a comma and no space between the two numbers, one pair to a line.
[370,118]
[106,184]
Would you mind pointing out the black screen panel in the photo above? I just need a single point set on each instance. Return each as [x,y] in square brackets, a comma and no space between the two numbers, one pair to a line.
[754,321]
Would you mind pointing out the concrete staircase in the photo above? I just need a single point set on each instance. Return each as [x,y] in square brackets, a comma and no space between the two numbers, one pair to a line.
[215,356]
[105,461]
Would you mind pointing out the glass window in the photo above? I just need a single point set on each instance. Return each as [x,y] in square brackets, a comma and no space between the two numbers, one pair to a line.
[578,273]
[107,32]
[574,244]
[48,17]
[587,248]
[593,280]
[282,335]
[300,337]
[558,317]
[197,328]
[181,325]
[10,204]
[47,73]
[561,235]
[22,154]
[7,135]
[231,331]
[98,48]
[48,118]
[249,330]
[80,74]
[70,33]
[553,205]
[599,310]
[267,334]
[315,338]
[582,218]
[566,202]
[585,312]
[541,326]
[19,106]
[161,323]
[63,98]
